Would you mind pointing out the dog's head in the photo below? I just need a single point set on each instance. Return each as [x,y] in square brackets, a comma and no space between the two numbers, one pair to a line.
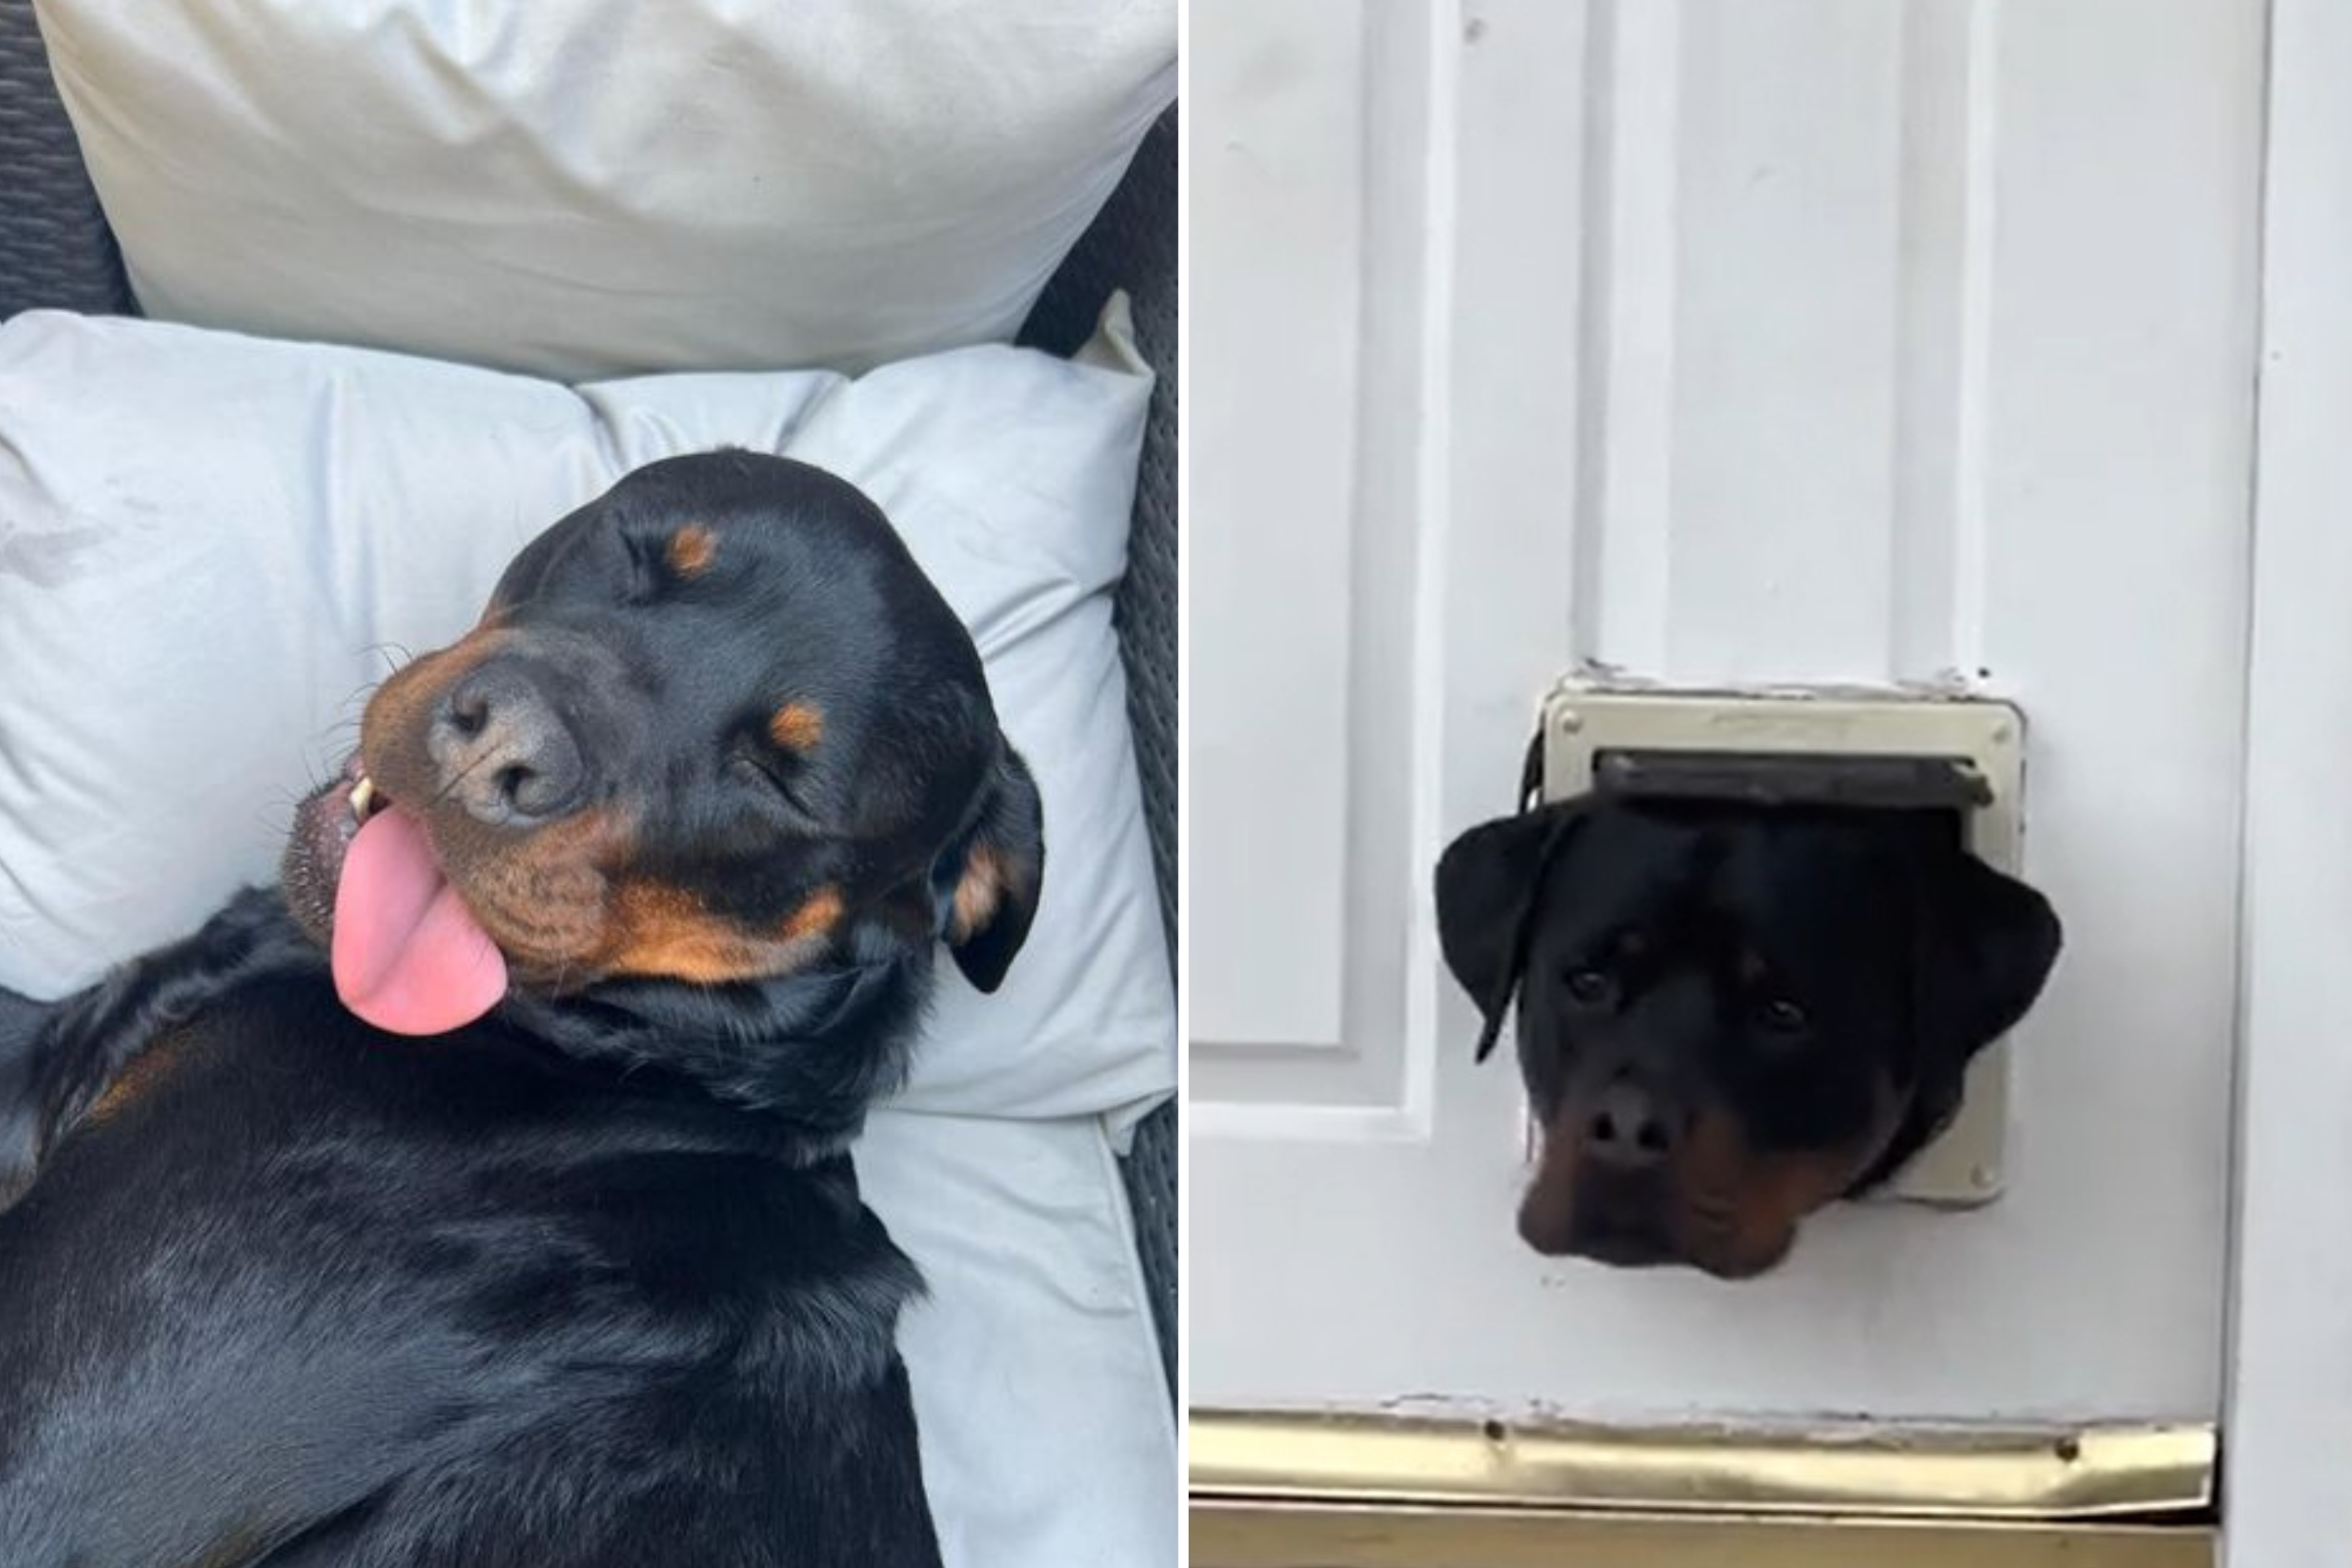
[1730,1015]
[715,726]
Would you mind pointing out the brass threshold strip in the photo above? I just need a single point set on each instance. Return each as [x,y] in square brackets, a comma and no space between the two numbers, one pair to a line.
[1293,1490]
[1273,1534]
[2028,1475]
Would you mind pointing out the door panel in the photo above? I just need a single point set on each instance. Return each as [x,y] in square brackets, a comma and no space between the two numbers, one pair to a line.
[1309,717]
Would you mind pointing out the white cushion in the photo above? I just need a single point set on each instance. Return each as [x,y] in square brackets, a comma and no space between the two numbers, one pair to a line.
[1048,1436]
[603,187]
[212,546]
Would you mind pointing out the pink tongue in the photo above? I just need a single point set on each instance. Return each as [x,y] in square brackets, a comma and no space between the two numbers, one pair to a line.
[409,956]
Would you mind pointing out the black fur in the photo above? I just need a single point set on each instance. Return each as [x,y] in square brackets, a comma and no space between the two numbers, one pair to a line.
[587,1282]
[50,1076]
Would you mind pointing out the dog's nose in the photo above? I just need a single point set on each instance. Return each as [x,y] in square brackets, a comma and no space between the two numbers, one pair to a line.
[1630,1129]
[501,749]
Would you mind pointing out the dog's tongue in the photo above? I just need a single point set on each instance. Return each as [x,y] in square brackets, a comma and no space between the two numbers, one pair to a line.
[409,956]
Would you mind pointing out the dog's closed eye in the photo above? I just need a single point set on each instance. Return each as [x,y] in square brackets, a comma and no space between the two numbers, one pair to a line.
[771,775]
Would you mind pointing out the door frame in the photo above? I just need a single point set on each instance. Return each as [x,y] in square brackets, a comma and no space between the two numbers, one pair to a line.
[2287,1389]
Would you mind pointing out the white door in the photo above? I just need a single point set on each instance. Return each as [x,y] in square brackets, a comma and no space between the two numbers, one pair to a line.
[1715,341]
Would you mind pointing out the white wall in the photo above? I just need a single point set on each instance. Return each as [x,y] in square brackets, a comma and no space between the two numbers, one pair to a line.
[1747,340]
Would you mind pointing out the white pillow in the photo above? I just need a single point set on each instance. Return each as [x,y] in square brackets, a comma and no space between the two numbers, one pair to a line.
[604,187]
[1047,1434]
[210,546]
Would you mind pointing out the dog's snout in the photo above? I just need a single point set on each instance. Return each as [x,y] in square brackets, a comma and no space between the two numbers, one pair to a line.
[501,749]
[1630,1128]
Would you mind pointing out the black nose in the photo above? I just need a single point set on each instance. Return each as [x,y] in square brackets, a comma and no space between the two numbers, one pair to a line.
[1630,1129]
[503,751]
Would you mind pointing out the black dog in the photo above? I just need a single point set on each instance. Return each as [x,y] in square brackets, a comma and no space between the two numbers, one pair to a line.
[660,851]
[1730,1015]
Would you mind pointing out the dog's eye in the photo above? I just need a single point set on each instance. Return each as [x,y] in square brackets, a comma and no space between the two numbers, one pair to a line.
[1782,1016]
[754,768]
[1590,988]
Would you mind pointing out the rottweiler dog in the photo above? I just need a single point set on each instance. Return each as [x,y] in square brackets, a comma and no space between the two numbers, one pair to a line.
[1729,1015]
[655,862]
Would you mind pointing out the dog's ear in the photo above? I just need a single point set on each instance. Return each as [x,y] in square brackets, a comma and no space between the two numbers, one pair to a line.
[1488,886]
[991,890]
[1987,943]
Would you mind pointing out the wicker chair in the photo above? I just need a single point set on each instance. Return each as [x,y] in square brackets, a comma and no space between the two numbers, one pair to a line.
[57,253]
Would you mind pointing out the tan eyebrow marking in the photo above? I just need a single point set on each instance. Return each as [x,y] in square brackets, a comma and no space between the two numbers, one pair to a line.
[797,726]
[690,550]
